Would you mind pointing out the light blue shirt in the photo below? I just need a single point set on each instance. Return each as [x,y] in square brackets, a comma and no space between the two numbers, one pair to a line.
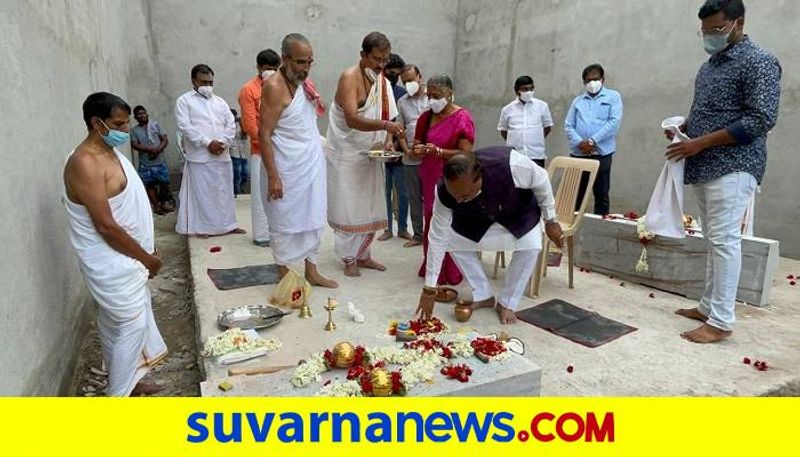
[595,117]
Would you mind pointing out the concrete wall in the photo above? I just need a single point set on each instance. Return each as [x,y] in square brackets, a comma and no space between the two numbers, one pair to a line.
[54,54]
[651,54]
[186,33]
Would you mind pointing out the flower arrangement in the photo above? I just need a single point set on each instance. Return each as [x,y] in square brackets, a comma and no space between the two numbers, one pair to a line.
[432,326]
[645,237]
[234,339]
[488,349]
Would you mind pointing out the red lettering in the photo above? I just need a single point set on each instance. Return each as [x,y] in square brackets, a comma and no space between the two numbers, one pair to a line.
[563,434]
[543,437]
[604,432]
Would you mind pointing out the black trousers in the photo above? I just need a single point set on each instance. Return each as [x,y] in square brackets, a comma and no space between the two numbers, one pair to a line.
[602,184]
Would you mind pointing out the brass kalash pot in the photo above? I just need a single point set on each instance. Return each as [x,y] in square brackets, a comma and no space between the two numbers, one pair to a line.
[463,310]
[381,383]
[343,354]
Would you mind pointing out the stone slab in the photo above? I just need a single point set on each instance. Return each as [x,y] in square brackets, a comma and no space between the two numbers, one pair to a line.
[676,265]
[515,377]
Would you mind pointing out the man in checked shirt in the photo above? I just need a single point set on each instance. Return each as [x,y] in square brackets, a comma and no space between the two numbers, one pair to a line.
[737,92]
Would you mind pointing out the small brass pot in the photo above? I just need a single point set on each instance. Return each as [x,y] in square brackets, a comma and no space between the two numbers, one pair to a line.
[462,311]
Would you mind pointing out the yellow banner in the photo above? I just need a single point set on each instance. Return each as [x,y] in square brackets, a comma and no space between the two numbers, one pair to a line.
[369,427]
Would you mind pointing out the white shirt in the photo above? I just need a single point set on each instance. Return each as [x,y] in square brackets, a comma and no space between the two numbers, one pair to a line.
[525,123]
[442,238]
[409,110]
[200,121]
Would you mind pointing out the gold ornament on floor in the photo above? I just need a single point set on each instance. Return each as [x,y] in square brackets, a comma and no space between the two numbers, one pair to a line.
[381,383]
[329,307]
[305,311]
[343,354]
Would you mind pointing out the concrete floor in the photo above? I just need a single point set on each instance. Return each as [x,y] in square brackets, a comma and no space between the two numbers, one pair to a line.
[653,361]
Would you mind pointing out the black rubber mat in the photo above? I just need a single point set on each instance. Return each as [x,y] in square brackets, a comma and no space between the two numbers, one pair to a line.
[573,323]
[236,278]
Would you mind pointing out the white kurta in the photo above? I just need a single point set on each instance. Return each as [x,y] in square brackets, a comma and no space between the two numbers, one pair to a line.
[297,219]
[131,341]
[206,205]
[442,238]
[356,201]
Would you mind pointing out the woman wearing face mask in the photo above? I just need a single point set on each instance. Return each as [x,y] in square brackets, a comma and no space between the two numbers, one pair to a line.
[443,131]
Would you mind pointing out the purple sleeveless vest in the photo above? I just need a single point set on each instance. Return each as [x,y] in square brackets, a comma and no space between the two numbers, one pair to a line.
[499,201]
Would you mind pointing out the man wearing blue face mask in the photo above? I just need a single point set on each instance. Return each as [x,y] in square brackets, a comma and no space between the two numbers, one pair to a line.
[737,92]
[591,126]
[111,229]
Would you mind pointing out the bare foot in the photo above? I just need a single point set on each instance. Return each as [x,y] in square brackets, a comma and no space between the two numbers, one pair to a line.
[404,235]
[316,279]
[706,334]
[506,315]
[351,270]
[146,389]
[386,235]
[238,231]
[691,313]
[488,303]
[371,264]
[411,243]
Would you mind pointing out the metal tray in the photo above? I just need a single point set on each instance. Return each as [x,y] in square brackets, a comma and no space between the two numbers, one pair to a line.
[386,157]
[251,317]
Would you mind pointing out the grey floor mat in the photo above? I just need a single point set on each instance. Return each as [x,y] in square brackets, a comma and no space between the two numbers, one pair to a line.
[236,278]
[573,323]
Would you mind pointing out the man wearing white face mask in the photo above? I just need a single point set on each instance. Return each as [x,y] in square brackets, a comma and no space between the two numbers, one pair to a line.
[736,99]
[591,126]
[526,122]
[360,118]
[267,62]
[208,127]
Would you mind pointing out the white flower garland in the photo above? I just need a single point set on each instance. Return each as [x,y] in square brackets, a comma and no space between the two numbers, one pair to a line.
[341,389]
[235,339]
[641,265]
[309,371]
[460,345]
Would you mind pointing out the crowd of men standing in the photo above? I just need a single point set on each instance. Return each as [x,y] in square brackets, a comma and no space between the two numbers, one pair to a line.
[461,199]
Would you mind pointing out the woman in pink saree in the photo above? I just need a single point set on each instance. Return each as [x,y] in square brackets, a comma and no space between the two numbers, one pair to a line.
[443,131]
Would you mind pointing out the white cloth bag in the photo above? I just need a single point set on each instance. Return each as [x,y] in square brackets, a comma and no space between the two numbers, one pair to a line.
[665,211]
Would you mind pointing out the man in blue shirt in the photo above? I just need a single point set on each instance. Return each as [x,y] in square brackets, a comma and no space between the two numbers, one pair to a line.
[736,97]
[394,170]
[591,125]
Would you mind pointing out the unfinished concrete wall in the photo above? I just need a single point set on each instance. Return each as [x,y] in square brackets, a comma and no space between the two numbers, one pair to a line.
[228,36]
[54,55]
[651,54]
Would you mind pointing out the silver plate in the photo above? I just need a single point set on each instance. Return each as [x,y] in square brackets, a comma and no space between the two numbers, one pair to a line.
[386,157]
[251,317]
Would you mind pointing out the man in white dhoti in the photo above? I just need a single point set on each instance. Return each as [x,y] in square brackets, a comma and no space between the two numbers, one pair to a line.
[294,189]
[359,120]
[491,200]
[111,229]
[208,127]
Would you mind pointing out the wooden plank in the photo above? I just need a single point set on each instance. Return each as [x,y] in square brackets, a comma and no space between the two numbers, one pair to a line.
[676,265]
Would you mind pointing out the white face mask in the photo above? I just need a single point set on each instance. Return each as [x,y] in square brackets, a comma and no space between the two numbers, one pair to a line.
[526,96]
[412,87]
[266,74]
[594,87]
[206,91]
[371,74]
[438,104]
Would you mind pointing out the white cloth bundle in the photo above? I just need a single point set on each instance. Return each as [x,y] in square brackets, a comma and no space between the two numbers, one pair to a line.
[665,211]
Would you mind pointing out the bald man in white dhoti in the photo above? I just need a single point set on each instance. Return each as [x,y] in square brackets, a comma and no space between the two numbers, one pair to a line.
[293,193]
[359,120]
[206,205]
[111,229]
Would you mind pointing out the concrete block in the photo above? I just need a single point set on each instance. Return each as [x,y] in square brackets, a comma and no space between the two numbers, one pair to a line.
[676,265]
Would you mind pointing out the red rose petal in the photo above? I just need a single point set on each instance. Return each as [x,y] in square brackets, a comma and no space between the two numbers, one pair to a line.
[652,295]
[790,277]
[792,283]
[570,369]
[746,360]
[215,249]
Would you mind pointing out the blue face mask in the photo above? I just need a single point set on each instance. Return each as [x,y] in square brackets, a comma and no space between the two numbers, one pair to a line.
[714,43]
[115,138]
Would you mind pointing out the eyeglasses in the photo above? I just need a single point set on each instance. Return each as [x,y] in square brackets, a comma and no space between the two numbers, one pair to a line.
[715,30]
